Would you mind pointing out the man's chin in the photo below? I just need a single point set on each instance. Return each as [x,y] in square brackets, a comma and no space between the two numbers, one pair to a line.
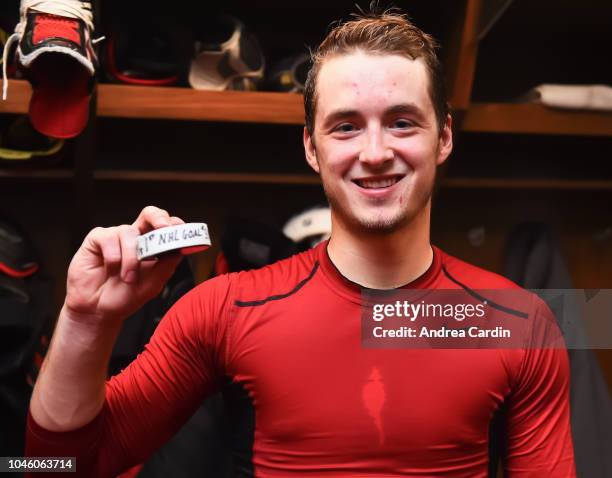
[364,219]
[379,225]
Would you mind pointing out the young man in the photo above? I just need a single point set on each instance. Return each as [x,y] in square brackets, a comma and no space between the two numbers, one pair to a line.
[284,342]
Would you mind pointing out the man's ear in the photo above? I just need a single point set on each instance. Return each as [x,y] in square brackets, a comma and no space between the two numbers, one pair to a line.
[311,152]
[445,145]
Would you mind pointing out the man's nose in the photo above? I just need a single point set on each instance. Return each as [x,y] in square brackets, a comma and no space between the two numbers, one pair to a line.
[375,152]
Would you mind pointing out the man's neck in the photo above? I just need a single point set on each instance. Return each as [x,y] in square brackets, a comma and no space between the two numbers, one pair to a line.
[383,261]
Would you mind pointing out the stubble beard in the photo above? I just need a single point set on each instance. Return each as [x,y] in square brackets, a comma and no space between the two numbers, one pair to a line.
[372,226]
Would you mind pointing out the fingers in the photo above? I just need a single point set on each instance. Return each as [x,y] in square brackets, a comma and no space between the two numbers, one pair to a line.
[105,244]
[130,266]
[115,248]
[152,217]
[129,262]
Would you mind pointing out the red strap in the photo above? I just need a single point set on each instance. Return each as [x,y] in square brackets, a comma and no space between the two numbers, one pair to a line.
[18,273]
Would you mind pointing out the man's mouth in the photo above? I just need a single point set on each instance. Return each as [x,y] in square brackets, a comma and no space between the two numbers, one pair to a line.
[377,183]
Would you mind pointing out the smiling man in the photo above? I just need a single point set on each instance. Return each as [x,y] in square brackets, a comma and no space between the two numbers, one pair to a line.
[376,144]
[284,343]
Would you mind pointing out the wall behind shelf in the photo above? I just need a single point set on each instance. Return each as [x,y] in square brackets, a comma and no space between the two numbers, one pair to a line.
[512,156]
[282,28]
[44,208]
[544,41]
[204,146]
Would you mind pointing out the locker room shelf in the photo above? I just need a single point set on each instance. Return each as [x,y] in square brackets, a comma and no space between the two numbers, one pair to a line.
[144,102]
[527,184]
[299,179]
[37,173]
[149,102]
[311,179]
[18,97]
[204,177]
[128,101]
[535,119]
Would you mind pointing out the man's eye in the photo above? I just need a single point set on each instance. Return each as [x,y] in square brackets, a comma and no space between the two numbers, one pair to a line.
[402,124]
[345,128]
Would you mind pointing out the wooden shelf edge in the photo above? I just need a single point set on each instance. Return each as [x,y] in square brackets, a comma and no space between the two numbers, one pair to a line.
[531,118]
[17,98]
[37,173]
[155,102]
[299,179]
[147,102]
[527,184]
[129,101]
[204,177]
[304,179]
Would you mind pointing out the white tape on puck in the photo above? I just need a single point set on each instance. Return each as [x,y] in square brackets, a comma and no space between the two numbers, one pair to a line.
[165,239]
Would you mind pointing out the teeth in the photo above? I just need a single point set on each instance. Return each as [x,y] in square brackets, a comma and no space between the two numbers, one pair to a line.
[372,184]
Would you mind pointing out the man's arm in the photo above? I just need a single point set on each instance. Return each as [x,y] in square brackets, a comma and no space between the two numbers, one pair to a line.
[539,441]
[69,391]
[148,401]
[105,285]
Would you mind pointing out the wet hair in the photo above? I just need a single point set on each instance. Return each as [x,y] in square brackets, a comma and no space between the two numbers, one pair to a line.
[385,33]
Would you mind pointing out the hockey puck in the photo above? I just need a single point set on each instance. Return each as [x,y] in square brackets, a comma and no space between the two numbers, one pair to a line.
[184,238]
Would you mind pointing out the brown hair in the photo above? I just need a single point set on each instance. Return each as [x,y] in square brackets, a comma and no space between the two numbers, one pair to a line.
[380,33]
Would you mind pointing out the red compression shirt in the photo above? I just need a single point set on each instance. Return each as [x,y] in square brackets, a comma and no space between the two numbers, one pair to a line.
[305,398]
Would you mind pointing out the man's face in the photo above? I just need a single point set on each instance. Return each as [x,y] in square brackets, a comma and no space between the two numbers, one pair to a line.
[376,141]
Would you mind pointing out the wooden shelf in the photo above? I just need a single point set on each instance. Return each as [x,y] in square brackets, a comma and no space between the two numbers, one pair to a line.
[311,179]
[298,179]
[127,101]
[205,177]
[527,184]
[37,173]
[17,98]
[154,102]
[535,119]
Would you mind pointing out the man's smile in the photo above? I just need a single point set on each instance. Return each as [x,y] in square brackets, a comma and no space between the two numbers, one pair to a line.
[374,183]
